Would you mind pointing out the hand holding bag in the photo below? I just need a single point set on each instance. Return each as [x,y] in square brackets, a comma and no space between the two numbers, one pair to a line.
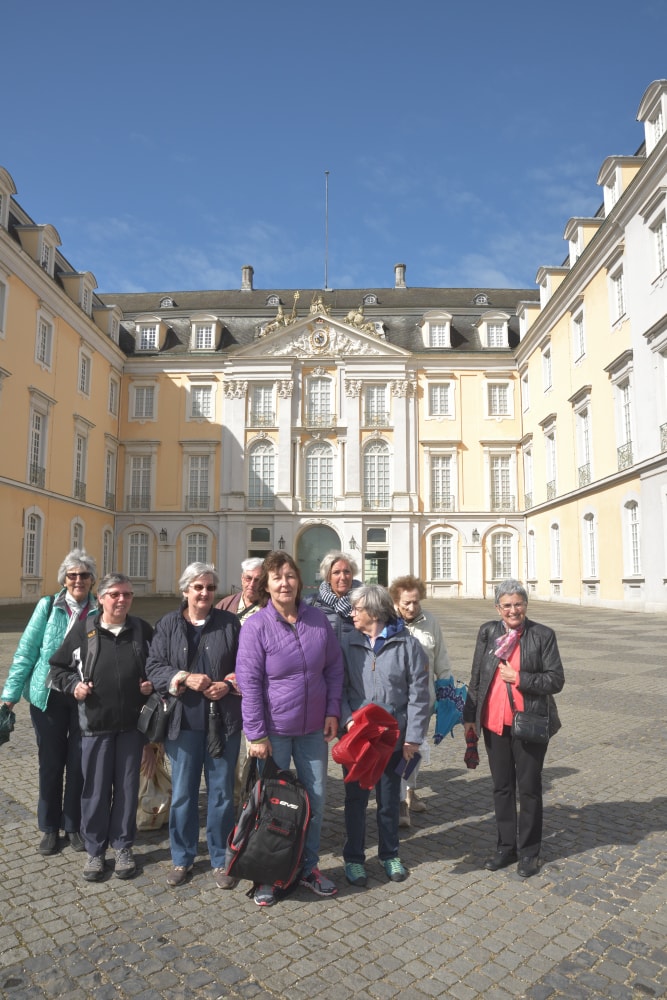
[154,717]
[529,726]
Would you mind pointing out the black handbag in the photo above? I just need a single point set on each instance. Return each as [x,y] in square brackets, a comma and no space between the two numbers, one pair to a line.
[154,717]
[529,726]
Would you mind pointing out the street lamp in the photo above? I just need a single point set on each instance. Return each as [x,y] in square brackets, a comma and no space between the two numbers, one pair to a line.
[475,536]
[281,542]
[353,543]
[163,536]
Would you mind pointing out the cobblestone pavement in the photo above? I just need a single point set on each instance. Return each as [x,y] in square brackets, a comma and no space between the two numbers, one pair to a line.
[593,923]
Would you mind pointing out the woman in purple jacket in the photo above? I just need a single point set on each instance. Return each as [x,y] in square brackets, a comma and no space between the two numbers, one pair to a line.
[289,669]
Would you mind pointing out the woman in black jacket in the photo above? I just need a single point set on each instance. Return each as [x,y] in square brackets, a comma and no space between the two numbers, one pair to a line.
[523,654]
[102,665]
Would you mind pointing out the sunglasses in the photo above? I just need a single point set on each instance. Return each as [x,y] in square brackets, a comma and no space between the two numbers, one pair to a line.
[78,576]
[210,587]
[116,595]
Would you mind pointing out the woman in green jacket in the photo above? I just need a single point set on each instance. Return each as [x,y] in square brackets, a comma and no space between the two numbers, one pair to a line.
[54,715]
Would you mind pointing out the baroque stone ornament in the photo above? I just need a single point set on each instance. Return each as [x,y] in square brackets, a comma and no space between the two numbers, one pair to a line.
[403,387]
[235,389]
[320,338]
[352,387]
[285,387]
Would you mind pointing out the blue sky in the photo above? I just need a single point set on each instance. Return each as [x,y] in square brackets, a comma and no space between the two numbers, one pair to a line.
[171,143]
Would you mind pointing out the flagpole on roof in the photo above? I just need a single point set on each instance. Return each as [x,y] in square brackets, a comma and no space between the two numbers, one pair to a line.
[326,231]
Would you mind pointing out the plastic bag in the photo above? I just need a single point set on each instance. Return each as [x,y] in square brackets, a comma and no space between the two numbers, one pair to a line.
[154,790]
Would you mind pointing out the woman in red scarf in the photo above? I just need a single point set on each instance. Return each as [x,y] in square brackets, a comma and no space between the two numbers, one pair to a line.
[523,654]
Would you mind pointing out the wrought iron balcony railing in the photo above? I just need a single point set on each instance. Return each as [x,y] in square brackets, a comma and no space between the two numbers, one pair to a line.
[503,502]
[584,474]
[79,489]
[37,475]
[110,501]
[624,454]
[138,501]
[442,502]
[551,489]
[197,501]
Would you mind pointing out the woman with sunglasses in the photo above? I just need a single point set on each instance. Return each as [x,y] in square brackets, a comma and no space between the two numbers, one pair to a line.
[55,715]
[193,657]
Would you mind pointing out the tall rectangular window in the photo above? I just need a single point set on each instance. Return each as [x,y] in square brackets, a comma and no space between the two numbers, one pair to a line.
[377,490]
[44,344]
[547,380]
[144,396]
[578,341]
[198,491]
[498,399]
[441,482]
[138,554]
[501,485]
[80,460]
[438,335]
[110,480]
[140,483]
[617,296]
[440,399]
[85,365]
[3,306]
[201,401]
[441,556]
[501,555]
[262,412]
[37,449]
[555,552]
[261,480]
[197,547]
[318,402]
[148,337]
[319,477]
[659,230]
[495,335]
[590,546]
[114,390]
[375,406]
[32,545]
[203,336]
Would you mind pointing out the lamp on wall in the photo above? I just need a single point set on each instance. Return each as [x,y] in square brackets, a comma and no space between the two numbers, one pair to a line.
[281,542]
[475,536]
[353,542]
[163,536]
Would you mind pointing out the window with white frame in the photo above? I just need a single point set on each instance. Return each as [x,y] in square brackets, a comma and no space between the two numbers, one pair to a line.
[551,462]
[442,563]
[77,535]
[657,126]
[3,306]
[198,495]
[80,465]
[262,476]
[659,233]
[436,329]
[590,546]
[531,556]
[624,420]
[438,334]
[114,329]
[496,334]
[583,427]
[107,552]
[46,256]
[319,477]
[37,439]
[85,370]
[86,299]
[318,402]
[44,342]
[137,555]
[141,474]
[501,555]
[147,337]
[502,496]
[143,402]
[376,410]
[547,374]
[498,399]
[525,392]
[110,479]
[377,489]
[578,338]
[32,546]
[201,402]
[554,551]
[262,407]
[196,547]
[203,336]
[617,295]
[440,399]
[528,477]
[633,540]
[442,491]
[114,395]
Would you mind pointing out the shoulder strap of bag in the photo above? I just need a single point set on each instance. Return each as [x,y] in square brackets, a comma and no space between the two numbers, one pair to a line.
[513,706]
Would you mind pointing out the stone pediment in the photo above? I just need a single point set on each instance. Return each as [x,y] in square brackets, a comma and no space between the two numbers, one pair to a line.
[320,336]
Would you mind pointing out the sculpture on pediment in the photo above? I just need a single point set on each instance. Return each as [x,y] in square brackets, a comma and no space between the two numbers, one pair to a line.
[280,318]
[236,389]
[317,305]
[355,317]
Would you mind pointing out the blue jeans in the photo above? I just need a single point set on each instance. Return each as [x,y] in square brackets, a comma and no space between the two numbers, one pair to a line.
[387,796]
[311,755]
[188,756]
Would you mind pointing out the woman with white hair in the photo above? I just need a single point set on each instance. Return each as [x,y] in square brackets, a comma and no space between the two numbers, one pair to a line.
[337,571]
[54,715]
[193,657]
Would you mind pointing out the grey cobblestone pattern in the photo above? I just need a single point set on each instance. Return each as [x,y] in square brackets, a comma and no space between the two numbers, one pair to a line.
[593,923]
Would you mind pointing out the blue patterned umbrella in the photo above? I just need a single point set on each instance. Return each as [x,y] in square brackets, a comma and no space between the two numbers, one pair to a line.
[450,697]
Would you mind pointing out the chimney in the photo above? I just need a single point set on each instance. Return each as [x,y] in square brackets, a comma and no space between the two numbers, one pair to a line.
[246,278]
[399,276]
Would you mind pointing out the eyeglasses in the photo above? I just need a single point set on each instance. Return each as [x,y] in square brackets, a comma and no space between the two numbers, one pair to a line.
[78,576]
[512,607]
[116,595]
[210,587]
[357,607]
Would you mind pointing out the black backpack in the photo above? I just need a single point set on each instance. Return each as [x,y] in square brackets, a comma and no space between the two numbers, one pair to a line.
[268,840]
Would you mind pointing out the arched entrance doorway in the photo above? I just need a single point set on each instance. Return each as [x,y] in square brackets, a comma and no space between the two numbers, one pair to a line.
[311,549]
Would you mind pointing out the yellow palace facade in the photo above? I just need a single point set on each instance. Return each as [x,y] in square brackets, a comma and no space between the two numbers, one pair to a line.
[464,435]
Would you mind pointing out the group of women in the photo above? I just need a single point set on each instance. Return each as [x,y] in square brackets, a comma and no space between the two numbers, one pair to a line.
[292,678]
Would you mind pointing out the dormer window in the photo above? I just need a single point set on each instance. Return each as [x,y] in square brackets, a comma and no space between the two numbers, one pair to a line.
[40,243]
[273,300]
[370,300]
[79,285]
[493,329]
[481,299]
[653,113]
[204,332]
[7,189]
[167,302]
[149,333]
[436,329]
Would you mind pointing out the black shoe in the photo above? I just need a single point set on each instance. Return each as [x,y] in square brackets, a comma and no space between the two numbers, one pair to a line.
[528,867]
[501,859]
[76,842]
[48,844]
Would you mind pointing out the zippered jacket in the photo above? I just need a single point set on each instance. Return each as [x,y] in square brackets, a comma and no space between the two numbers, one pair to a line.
[115,669]
[41,638]
[290,676]
[396,678]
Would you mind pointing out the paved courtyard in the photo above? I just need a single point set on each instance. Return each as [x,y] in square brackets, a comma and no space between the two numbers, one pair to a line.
[593,923]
